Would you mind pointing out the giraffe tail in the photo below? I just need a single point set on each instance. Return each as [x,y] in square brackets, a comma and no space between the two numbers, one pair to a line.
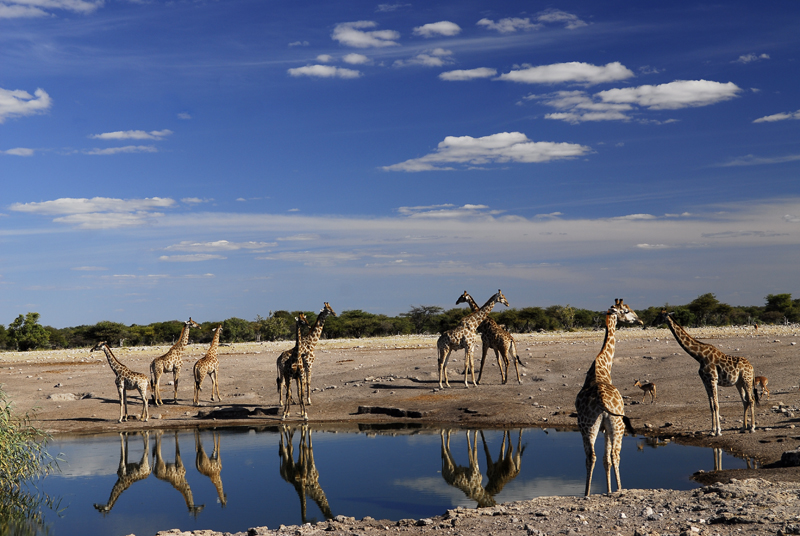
[516,356]
[756,396]
[628,424]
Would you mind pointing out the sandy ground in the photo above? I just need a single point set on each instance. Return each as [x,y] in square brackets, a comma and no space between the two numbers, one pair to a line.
[395,379]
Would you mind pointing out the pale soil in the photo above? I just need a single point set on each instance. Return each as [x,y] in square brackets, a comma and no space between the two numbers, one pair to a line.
[73,392]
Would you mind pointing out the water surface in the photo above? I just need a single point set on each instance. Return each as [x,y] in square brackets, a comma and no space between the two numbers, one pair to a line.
[232,479]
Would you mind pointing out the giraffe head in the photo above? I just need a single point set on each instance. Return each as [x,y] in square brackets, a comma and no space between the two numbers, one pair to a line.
[300,320]
[99,346]
[624,314]
[464,298]
[661,318]
[327,309]
[500,298]
[191,323]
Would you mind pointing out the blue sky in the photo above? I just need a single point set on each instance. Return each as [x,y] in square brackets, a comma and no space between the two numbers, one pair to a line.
[217,159]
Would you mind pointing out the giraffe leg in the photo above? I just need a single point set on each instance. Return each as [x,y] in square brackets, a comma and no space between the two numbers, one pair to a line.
[484,349]
[500,364]
[145,410]
[123,403]
[307,379]
[711,390]
[279,381]
[176,372]
[444,355]
[616,447]
[747,401]
[608,431]
[513,351]
[215,385]
[154,381]
[199,376]
[470,364]
[589,434]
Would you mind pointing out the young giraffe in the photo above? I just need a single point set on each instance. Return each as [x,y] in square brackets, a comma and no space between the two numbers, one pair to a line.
[309,343]
[208,365]
[174,473]
[291,367]
[762,381]
[171,361]
[465,336]
[127,473]
[646,387]
[496,338]
[126,380]
[210,466]
[599,403]
[717,369]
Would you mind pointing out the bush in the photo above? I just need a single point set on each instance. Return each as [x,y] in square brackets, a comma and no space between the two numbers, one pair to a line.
[23,458]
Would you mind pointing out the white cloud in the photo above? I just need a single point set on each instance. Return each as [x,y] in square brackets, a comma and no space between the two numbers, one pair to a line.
[509,25]
[433,29]
[89,269]
[447,211]
[125,149]
[750,58]
[132,135]
[388,8]
[579,106]
[497,148]
[298,238]
[468,74]
[752,160]
[299,44]
[572,72]
[219,245]
[778,117]
[353,34]
[356,59]
[570,21]
[325,58]
[19,151]
[14,9]
[191,258]
[437,57]
[324,71]
[18,102]
[98,212]
[194,200]
[185,116]
[674,95]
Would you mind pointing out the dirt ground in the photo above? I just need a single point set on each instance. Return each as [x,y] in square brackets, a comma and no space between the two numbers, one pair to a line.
[393,379]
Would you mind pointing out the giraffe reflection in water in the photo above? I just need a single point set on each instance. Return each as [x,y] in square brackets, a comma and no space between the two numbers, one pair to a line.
[210,466]
[127,473]
[469,479]
[302,474]
[174,473]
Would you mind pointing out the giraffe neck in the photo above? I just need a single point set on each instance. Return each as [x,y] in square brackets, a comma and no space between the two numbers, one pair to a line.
[212,350]
[472,305]
[480,315]
[600,371]
[313,336]
[115,365]
[298,335]
[690,345]
[183,340]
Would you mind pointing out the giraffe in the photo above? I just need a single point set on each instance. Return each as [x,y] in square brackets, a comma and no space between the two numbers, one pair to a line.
[303,474]
[717,369]
[496,338]
[126,379]
[210,467]
[290,366]
[309,343]
[174,473]
[599,404]
[464,336]
[127,473]
[171,361]
[467,479]
[508,464]
[762,381]
[646,387]
[208,365]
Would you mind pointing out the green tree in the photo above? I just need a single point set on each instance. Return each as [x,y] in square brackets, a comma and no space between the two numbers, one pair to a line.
[272,328]
[421,317]
[27,334]
[703,307]
[111,332]
[237,330]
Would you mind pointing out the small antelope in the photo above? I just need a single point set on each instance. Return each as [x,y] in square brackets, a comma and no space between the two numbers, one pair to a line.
[763,381]
[646,387]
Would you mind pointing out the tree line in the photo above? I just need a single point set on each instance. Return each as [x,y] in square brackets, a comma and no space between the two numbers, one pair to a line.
[26,333]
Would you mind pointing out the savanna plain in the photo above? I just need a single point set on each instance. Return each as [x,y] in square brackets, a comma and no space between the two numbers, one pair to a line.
[358,382]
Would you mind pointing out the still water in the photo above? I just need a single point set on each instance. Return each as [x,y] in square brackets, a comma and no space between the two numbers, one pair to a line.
[232,479]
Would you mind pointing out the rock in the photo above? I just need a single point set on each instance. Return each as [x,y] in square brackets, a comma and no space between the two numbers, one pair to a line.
[791,458]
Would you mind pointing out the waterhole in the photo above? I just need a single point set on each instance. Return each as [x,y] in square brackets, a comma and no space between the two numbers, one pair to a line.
[232,479]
